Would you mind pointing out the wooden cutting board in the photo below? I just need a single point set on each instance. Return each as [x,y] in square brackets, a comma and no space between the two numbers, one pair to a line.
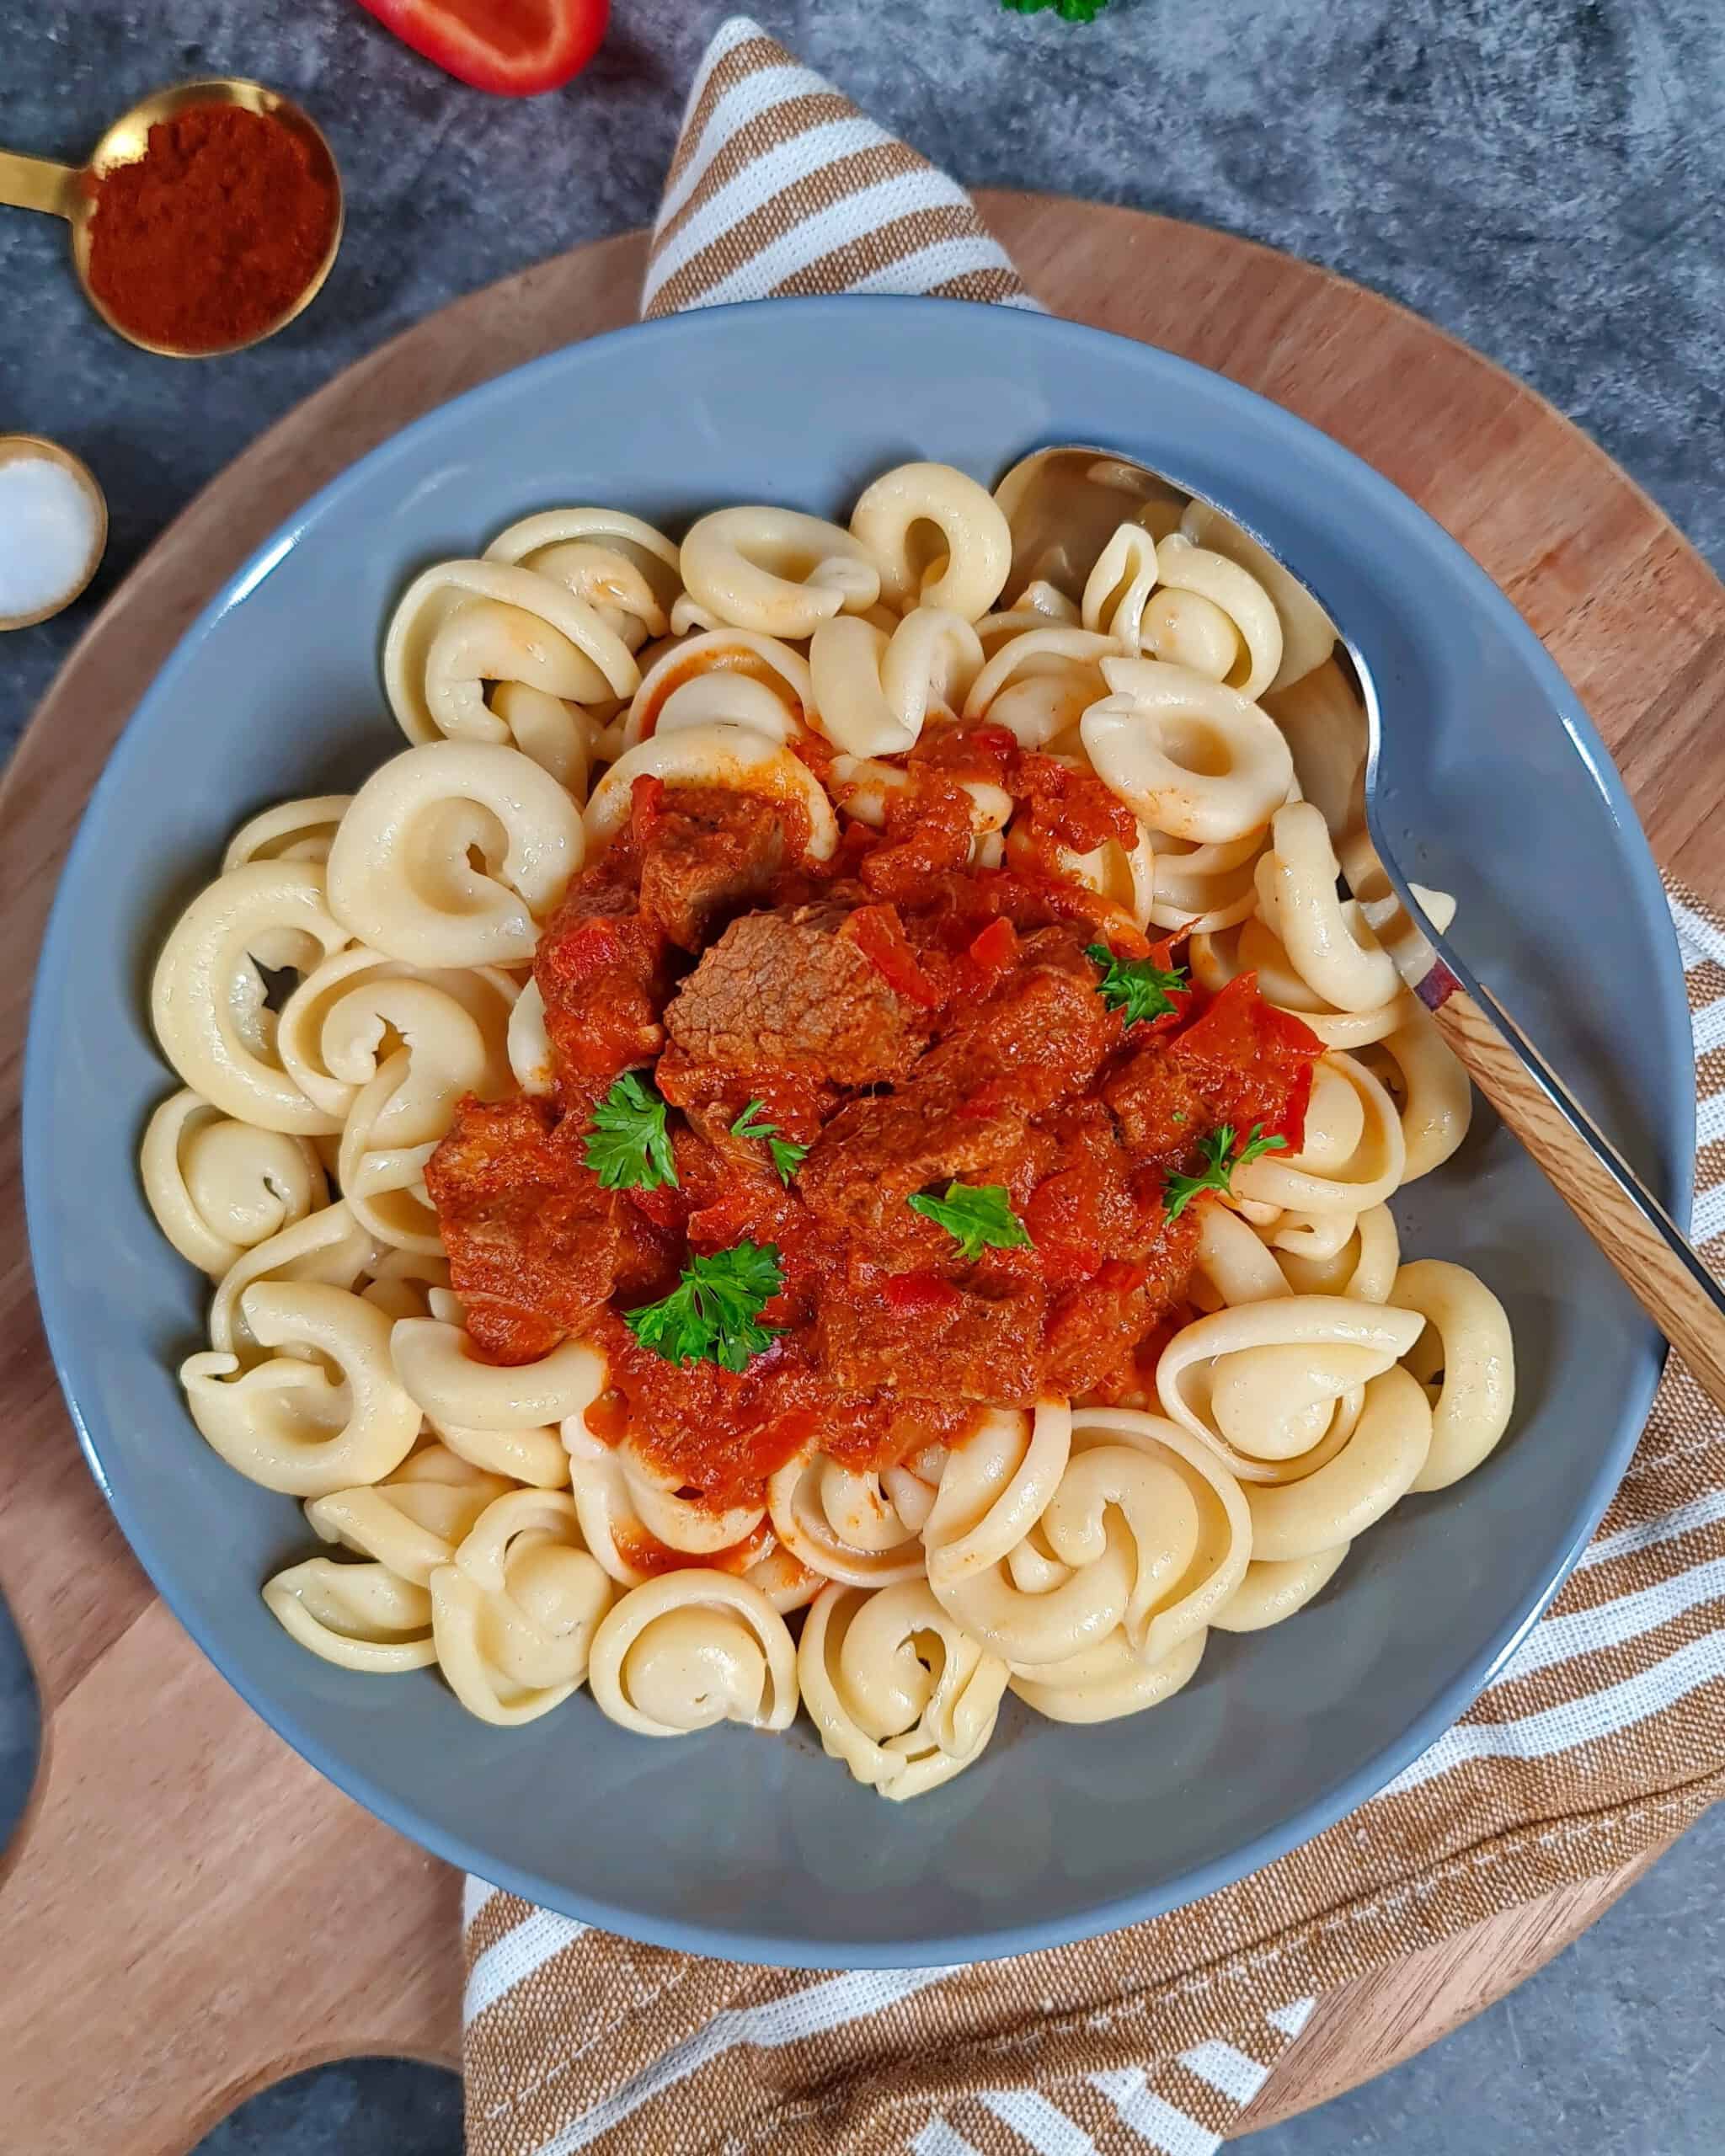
[188,1911]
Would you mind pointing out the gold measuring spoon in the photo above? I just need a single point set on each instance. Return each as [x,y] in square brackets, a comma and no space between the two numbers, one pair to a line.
[66,191]
[1062,505]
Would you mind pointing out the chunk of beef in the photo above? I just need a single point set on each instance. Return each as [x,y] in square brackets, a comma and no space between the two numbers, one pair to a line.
[875,1154]
[969,1346]
[1158,1101]
[532,1240]
[1095,1202]
[1042,1032]
[786,990]
[707,853]
[601,969]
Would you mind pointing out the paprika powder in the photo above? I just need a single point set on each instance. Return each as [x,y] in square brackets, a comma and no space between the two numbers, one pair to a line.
[208,238]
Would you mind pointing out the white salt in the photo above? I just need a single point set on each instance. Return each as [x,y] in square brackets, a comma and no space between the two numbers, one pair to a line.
[47,534]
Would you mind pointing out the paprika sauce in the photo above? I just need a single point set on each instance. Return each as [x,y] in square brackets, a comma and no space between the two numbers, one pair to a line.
[900,1022]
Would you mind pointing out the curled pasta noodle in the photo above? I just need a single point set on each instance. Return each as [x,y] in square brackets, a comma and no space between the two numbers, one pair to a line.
[529,1043]
[435,1361]
[1207,605]
[414,1519]
[331,1027]
[1038,605]
[691,1649]
[1308,633]
[1039,686]
[1465,1359]
[1266,1384]
[328,1246]
[776,570]
[533,1456]
[1104,1682]
[207,996]
[1172,601]
[1231,1264]
[625,569]
[1186,754]
[1353,1153]
[402,877]
[685,1524]
[515,1616]
[723,676]
[1435,1101]
[1274,1589]
[408,1103]
[964,567]
[873,692]
[1335,956]
[899,1691]
[1362,1267]
[786,1582]
[360,1617]
[1204,888]
[218,1188]
[1378,1464]
[292,830]
[464,629]
[1118,589]
[1145,1533]
[402,1282]
[993,1488]
[844,1524]
[737,758]
[1251,945]
[286,1422]
[864,786]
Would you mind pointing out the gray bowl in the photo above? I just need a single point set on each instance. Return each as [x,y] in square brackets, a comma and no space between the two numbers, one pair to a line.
[728,1844]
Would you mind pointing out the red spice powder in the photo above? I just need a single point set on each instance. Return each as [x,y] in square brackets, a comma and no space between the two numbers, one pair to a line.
[213,231]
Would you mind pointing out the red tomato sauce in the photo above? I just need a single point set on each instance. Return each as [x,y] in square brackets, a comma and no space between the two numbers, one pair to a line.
[907,1022]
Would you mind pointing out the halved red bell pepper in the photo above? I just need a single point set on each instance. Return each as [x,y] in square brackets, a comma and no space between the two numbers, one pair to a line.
[513,48]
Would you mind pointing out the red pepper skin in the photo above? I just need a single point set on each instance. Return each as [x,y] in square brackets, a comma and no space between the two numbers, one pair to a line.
[512,48]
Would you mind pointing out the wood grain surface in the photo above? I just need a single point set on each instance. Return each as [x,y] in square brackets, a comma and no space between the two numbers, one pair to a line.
[188,1910]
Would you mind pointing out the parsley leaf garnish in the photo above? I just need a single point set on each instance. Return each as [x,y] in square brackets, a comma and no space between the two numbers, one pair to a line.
[1179,1191]
[1137,988]
[1069,11]
[713,1314]
[980,1215]
[629,1147]
[787,1154]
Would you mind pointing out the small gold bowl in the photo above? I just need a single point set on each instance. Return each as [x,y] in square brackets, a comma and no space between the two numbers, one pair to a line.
[65,190]
[16,449]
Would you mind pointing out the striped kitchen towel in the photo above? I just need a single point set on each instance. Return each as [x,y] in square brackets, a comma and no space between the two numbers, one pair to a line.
[1603,1738]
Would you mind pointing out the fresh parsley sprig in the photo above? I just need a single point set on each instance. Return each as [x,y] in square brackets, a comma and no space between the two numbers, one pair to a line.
[979,1215]
[1221,1162]
[1137,988]
[787,1154]
[629,1147]
[1069,11]
[713,1314]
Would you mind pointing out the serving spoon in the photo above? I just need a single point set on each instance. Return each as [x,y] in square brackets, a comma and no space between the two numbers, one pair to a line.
[1063,505]
[71,191]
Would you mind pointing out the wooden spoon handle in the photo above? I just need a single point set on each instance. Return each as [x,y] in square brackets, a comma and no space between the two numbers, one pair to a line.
[1611,1202]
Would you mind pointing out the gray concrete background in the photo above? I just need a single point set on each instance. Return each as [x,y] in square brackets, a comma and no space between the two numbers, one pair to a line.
[1542,177]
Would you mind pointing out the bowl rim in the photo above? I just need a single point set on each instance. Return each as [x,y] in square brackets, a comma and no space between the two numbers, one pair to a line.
[778,1948]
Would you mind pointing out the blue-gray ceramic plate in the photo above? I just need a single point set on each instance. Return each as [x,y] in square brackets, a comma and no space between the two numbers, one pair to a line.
[729,1844]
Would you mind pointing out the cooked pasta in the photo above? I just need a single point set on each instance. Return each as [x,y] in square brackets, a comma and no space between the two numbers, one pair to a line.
[824,1133]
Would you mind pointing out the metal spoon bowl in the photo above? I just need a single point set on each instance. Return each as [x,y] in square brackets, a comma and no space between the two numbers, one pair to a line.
[1062,505]
[71,191]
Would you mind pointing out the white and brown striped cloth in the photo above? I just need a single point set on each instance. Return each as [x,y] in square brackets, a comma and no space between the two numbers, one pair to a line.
[1604,1736]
